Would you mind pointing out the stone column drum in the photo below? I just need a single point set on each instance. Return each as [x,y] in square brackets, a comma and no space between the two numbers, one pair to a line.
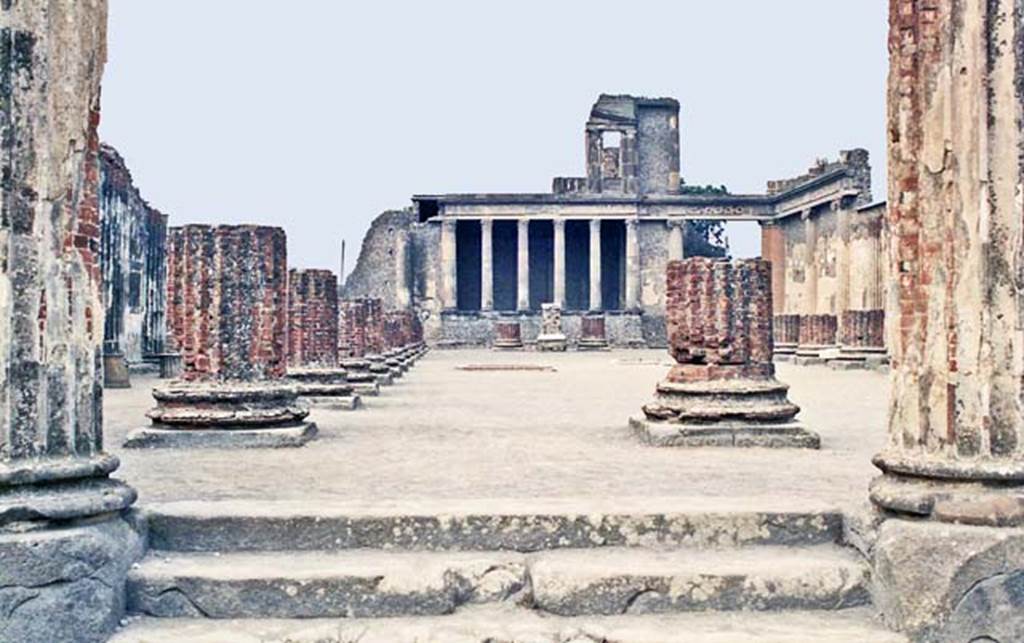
[723,390]
[64,547]
[313,340]
[949,558]
[786,336]
[508,335]
[861,340]
[227,301]
[551,337]
[593,334]
[817,338]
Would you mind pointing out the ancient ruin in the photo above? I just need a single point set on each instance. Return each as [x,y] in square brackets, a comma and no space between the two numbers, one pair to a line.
[65,548]
[485,497]
[133,258]
[723,390]
[313,340]
[227,314]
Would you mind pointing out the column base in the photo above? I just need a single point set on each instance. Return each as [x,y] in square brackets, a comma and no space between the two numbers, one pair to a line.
[859,357]
[156,437]
[991,504]
[784,352]
[66,583]
[946,582]
[788,435]
[115,371]
[592,344]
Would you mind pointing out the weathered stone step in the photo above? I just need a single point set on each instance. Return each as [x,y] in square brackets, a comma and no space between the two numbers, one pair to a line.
[523,526]
[370,583]
[504,623]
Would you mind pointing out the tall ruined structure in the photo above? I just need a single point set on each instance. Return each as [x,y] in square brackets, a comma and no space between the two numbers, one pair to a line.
[134,265]
[227,293]
[950,557]
[57,503]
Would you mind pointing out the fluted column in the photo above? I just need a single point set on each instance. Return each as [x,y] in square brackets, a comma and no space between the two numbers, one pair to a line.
[523,287]
[559,261]
[487,264]
[873,269]
[632,266]
[676,251]
[449,266]
[595,265]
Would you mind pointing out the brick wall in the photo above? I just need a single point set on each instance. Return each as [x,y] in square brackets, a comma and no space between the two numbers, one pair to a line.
[312,318]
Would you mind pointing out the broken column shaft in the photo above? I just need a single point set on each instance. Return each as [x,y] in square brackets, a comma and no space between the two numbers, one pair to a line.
[723,390]
[227,297]
[949,560]
[313,340]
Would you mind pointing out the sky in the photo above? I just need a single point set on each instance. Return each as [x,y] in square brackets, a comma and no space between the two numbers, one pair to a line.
[317,115]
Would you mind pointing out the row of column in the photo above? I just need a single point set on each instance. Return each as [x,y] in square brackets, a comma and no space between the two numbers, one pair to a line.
[449,262]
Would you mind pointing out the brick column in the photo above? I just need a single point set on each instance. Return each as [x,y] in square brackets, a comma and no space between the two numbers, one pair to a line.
[722,391]
[950,558]
[773,249]
[486,264]
[449,266]
[559,261]
[595,265]
[228,295]
[64,549]
[632,266]
[523,273]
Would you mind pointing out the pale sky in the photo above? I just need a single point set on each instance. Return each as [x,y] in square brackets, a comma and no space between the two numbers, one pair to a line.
[316,115]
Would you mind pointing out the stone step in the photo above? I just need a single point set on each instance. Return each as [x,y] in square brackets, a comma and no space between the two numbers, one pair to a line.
[503,623]
[374,584]
[523,526]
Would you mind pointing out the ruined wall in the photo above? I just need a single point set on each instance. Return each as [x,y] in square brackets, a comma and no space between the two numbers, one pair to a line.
[133,239]
[827,250]
[795,248]
[383,270]
[51,309]
[312,318]
[227,293]
[658,147]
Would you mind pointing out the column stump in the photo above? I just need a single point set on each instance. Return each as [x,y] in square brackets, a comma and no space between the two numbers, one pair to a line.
[115,371]
[722,392]
[817,339]
[862,341]
[786,336]
[593,334]
[508,335]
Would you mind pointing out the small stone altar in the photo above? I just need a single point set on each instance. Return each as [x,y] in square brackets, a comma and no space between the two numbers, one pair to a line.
[508,335]
[722,390]
[551,337]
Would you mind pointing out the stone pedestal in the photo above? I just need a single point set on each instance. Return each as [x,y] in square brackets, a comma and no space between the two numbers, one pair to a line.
[593,336]
[507,335]
[723,390]
[551,337]
[327,388]
[115,371]
[65,543]
[786,336]
[357,373]
[861,341]
[949,558]
[233,393]
[817,339]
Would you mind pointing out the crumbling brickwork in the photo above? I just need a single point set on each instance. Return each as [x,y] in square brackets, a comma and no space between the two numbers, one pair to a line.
[312,318]
[818,330]
[863,328]
[787,329]
[134,263]
[719,318]
[227,301]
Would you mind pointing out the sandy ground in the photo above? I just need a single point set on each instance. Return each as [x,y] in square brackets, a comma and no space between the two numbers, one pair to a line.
[445,434]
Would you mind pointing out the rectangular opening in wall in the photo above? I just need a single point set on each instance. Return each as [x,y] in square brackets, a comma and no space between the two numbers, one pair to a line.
[577,265]
[613,263]
[542,263]
[506,267]
[467,257]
